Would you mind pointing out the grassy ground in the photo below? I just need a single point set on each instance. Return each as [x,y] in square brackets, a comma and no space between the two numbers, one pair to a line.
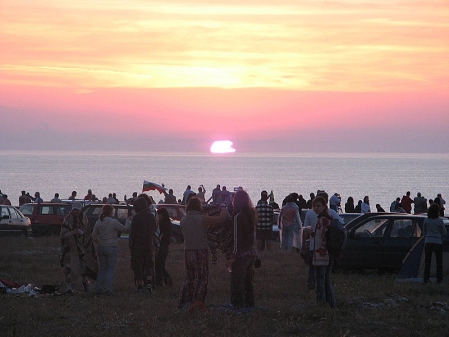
[368,304]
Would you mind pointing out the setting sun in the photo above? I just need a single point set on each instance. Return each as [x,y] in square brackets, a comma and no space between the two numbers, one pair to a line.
[222,146]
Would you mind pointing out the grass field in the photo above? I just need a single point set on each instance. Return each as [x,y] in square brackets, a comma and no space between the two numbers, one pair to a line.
[368,304]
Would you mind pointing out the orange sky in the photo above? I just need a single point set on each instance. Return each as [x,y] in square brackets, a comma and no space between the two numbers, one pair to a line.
[176,75]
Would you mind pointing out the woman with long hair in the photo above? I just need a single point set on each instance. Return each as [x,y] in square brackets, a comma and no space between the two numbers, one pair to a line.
[243,254]
[106,234]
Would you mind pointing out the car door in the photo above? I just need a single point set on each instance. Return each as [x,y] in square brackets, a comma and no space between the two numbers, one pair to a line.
[401,235]
[10,220]
[364,244]
[4,219]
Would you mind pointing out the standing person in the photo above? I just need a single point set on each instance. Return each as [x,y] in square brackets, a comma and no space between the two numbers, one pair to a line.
[438,201]
[309,202]
[73,196]
[290,224]
[241,261]
[216,195]
[129,201]
[420,204]
[4,200]
[201,194]
[358,208]
[186,194]
[310,221]
[335,202]
[24,199]
[407,202]
[88,196]
[165,227]
[225,196]
[321,260]
[196,254]
[395,205]
[56,198]
[264,228]
[77,250]
[141,245]
[169,197]
[349,205]
[434,231]
[365,207]
[106,234]
[37,198]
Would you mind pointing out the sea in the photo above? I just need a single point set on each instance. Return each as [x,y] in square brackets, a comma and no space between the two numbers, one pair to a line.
[381,176]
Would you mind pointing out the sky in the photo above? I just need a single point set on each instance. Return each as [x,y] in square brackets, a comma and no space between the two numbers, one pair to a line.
[270,76]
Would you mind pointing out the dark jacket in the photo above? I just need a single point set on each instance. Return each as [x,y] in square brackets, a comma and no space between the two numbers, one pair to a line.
[143,227]
[165,232]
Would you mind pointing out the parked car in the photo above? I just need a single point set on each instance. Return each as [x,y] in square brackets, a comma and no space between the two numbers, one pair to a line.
[175,211]
[348,217]
[381,240]
[93,211]
[13,222]
[46,217]
[123,211]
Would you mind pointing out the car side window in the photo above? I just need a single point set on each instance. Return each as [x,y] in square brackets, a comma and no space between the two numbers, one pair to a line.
[47,210]
[97,211]
[64,210]
[372,228]
[3,212]
[122,213]
[402,228]
[27,210]
[14,214]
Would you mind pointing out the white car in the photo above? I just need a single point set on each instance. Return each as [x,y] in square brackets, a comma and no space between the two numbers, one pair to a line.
[13,222]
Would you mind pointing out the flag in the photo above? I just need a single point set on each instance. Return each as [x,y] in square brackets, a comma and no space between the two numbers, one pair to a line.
[149,186]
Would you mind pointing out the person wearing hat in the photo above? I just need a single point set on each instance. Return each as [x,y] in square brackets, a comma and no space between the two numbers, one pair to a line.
[77,249]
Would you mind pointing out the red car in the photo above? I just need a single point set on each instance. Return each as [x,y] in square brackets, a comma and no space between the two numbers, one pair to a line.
[46,217]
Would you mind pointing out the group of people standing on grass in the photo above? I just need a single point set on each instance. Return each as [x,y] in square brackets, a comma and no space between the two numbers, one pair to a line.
[246,223]
[80,257]
[93,253]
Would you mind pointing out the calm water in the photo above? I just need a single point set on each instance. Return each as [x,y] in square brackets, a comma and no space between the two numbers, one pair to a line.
[381,176]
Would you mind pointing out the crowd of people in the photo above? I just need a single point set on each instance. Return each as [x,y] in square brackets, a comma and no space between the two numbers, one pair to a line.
[243,231]
[92,253]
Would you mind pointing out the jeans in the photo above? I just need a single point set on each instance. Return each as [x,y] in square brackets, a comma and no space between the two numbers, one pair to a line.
[242,288]
[287,238]
[429,248]
[324,290]
[107,257]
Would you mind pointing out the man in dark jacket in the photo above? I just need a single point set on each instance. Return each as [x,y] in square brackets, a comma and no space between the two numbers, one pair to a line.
[143,227]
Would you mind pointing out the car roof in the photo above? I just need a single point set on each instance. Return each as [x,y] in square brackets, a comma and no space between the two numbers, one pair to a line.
[46,203]
[362,218]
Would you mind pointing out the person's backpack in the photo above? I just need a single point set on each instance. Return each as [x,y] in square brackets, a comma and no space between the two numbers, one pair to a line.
[336,237]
